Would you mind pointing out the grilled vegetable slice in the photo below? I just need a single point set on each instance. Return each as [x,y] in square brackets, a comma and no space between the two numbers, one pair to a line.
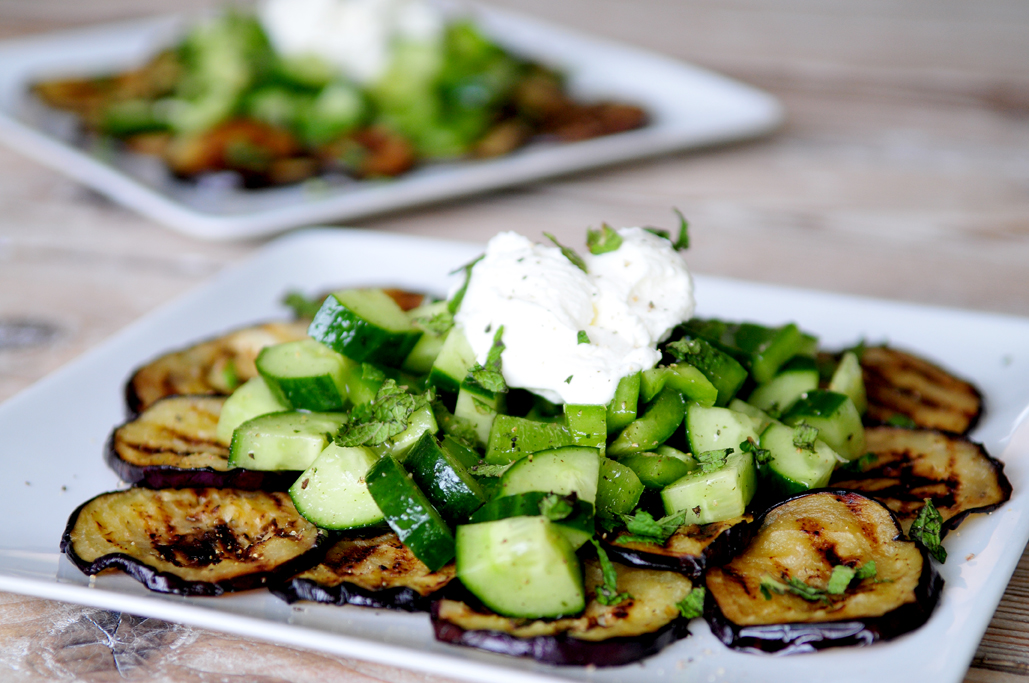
[898,383]
[173,444]
[602,635]
[371,572]
[193,541]
[912,465]
[777,595]
[215,366]
[689,550]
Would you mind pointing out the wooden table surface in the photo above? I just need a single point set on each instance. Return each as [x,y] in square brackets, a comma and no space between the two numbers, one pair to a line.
[903,172]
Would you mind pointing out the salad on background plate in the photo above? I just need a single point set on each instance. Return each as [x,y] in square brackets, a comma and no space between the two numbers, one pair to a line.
[357,88]
[557,461]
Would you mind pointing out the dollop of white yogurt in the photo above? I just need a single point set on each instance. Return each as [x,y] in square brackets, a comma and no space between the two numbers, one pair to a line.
[355,36]
[627,302]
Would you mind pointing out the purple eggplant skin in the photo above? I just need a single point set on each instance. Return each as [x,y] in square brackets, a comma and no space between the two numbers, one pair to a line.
[562,650]
[803,637]
[164,582]
[726,546]
[785,639]
[405,599]
[171,477]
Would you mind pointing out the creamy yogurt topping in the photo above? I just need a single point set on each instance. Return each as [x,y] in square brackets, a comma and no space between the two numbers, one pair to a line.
[355,36]
[627,302]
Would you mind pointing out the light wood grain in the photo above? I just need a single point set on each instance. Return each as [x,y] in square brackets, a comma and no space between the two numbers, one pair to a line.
[903,172]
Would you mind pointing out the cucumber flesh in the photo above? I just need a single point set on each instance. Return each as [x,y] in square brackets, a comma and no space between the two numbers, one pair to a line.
[848,379]
[577,526]
[283,441]
[251,400]
[711,429]
[708,497]
[444,479]
[790,469]
[797,377]
[421,358]
[453,362]
[305,375]
[572,469]
[835,417]
[520,567]
[332,492]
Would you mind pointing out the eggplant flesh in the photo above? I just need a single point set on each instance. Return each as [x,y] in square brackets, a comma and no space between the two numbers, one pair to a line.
[371,572]
[689,550]
[174,444]
[912,465]
[193,541]
[898,383]
[804,538]
[603,635]
[215,366]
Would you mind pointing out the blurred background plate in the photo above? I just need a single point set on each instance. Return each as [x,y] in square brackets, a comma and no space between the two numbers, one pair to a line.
[688,108]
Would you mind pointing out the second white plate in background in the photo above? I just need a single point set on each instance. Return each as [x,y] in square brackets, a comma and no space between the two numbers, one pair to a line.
[688,108]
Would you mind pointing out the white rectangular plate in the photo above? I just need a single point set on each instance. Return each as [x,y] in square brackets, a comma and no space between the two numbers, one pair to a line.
[54,432]
[688,107]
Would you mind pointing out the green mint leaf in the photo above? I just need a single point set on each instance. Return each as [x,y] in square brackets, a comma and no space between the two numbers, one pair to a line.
[484,470]
[583,338]
[804,436]
[859,465]
[568,253]
[692,606]
[643,528]
[230,375]
[301,305]
[664,234]
[455,303]
[901,420]
[841,577]
[607,594]
[555,507]
[382,418]
[437,323]
[925,531]
[459,428]
[682,242]
[761,455]
[797,587]
[568,379]
[602,241]
[489,375]
[865,571]
[712,461]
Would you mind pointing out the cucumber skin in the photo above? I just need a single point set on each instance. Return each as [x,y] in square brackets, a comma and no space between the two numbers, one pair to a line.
[448,485]
[621,411]
[341,330]
[618,490]
[416,522]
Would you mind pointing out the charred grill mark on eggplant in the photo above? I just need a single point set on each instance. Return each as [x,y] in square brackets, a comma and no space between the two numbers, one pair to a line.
[601,635]
[207,367]
[900,383]
[371,572]
[193,541]
[804,538]
[173,444]
[689,550]
[912,465]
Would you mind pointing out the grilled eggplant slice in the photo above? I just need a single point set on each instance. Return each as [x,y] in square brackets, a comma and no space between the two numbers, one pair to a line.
[802,540]
[911,465]
[898,383]
[689,550]
[172,444]
[193,541]
[215,366]
[603,635]
[370,572]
